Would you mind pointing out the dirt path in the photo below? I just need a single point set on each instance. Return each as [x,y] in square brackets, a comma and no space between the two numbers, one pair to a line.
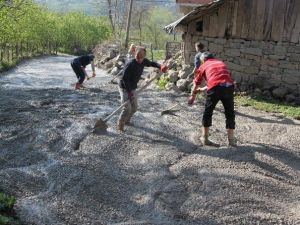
[154,173]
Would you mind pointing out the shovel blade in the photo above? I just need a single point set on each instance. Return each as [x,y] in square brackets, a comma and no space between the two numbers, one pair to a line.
[100,127]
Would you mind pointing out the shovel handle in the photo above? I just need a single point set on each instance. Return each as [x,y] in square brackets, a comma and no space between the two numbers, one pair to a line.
[126,102]
[172,107]
[115,76]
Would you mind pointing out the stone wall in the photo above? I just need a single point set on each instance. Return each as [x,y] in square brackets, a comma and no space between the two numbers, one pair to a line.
[172,48]
[262,64]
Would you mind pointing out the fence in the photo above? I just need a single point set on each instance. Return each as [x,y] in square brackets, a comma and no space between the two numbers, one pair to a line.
[12,52]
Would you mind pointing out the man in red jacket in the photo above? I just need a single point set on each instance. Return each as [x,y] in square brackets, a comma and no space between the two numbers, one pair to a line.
[220,87]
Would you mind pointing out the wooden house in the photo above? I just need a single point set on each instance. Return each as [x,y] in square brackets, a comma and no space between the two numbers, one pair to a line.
[259,39]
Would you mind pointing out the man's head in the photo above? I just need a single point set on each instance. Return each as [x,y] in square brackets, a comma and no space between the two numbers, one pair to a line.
[140,53]
[199,47]
[131,49]
[205,56]
[91,57]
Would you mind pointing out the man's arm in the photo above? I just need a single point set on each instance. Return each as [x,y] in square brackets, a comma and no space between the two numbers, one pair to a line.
[197,82]
[163,68]
[197,63]
[83,69]
[149,63]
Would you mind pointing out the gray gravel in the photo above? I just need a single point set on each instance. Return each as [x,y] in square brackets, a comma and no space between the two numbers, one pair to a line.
[156,172]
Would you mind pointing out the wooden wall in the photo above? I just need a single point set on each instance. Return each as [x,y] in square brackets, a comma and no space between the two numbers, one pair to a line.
[267,20]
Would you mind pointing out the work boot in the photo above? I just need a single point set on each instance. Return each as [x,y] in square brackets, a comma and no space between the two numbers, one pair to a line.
[232,142]
[77,86]
[129,123]
[120,127]
[205,141]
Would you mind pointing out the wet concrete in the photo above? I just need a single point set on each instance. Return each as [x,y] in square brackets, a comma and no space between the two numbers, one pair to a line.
[156,172]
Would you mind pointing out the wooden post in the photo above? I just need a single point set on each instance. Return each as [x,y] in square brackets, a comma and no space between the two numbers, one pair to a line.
[9,54]
[12,52]
[17,51]
[21,49]
[27,49]
[151,49]
[1,52]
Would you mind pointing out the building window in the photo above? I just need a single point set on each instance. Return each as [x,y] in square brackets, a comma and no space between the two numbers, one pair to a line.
[199,26]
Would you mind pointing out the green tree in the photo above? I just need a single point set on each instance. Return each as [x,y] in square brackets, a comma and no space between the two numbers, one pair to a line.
[25,21]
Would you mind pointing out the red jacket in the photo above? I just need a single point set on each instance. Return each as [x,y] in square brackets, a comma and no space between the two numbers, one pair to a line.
[215,72]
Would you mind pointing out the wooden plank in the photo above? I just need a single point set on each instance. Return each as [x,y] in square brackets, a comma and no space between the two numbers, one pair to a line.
[295,38]
[253,16]
[268,20]
[293,7]
[247,18]
[213,28]
[289,18]
[260,19]
[234,19]
[192,27]
[240,18]
[230,12]
[279,10]
[206,25]
[222,18]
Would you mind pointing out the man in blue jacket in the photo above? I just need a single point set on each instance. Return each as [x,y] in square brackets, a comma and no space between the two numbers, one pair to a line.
[128,83]
[78,65]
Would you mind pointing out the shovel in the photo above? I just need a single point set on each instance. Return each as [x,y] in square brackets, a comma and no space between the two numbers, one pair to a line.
[169,110]
[112,81]
[101,125]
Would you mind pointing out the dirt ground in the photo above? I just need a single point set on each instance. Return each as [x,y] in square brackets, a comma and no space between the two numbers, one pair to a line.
[156,172]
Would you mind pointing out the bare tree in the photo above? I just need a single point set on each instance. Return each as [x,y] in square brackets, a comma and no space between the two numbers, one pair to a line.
[110,15]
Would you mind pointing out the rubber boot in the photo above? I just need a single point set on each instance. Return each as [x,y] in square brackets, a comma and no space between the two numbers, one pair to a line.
[128,122]
[77,86]
[120,126]
[231,139]
[205,141]
[232,142]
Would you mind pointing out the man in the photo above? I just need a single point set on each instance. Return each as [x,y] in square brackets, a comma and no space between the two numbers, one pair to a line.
[199,49]
[78,65]
[220,87]
[128,83]
[131,52]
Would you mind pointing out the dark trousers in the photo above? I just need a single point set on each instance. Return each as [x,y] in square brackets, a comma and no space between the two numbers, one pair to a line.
[214,95]
[78,71]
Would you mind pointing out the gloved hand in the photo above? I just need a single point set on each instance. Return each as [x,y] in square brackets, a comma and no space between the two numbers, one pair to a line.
[195,92]
[163,68]
[130,95]
[191,99]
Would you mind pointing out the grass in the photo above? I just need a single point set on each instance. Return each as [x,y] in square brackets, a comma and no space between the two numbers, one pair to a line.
[269,106]
[7,214]
[158,55]
[6,66]
[162,82]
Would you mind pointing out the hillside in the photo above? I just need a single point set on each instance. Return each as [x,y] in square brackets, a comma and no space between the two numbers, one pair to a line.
[96,7]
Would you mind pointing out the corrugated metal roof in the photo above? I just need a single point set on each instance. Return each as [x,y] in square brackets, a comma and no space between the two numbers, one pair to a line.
[195,13]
